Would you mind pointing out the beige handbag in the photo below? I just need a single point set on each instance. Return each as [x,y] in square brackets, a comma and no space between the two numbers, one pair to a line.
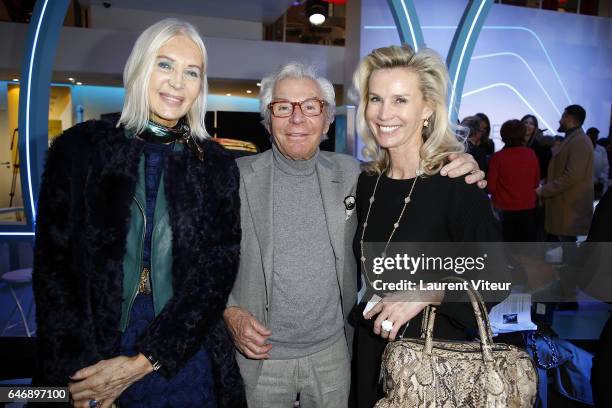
[427,373]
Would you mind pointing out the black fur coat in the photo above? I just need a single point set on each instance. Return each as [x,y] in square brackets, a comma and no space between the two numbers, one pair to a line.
[82,224]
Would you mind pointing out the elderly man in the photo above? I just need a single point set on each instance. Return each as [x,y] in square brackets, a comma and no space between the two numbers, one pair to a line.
[297,280]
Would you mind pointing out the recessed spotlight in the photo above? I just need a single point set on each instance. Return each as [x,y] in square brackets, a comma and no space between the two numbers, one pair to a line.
[259,84]
[71,79]
[249,91]
[316,11]
[228,94]
[15,79]
[316,19]
[79,83]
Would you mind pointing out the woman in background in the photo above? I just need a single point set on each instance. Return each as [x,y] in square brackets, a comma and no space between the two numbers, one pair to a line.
[475,144]
[485,130]
[533,141]
[513,176]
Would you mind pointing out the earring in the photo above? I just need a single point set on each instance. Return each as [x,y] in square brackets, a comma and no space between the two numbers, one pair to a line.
[426,123]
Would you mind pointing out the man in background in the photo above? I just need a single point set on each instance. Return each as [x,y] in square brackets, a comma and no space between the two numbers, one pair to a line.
[601,166]
[568,191]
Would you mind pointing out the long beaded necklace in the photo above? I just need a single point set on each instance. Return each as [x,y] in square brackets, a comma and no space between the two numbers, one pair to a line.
[395,225]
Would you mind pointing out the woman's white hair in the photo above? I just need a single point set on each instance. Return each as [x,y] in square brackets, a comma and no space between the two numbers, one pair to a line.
[439,138]
[295,70]
[137,73]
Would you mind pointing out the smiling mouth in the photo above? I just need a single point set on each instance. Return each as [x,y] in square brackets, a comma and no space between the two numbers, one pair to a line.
[388,129]
[171,100]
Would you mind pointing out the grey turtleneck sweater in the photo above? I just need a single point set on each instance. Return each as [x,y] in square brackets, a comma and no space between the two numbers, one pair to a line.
[305,314]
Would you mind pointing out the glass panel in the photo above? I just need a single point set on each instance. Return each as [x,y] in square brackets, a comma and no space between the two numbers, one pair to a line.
[294,26]
[11,201]
[589,7]
[568,6]
[522,3]
[60,118]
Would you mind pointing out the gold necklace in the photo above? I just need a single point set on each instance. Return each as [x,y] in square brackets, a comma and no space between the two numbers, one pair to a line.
[395,225]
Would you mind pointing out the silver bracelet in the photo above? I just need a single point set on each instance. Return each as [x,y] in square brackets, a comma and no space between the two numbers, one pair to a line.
[155,363]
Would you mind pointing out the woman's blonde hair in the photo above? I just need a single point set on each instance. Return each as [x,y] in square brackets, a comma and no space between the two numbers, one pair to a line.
[137,73]
[439,139]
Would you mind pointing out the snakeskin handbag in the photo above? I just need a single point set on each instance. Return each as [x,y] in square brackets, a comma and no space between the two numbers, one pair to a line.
[427,373]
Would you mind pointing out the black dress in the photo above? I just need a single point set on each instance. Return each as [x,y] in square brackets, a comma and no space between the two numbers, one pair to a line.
[602,361]
[441,210]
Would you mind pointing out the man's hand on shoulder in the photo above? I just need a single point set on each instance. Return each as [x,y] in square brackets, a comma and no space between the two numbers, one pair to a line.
[461,164]
[248,333]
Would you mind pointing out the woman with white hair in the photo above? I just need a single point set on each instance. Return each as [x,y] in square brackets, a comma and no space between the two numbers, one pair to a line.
[137,243]
[403,197]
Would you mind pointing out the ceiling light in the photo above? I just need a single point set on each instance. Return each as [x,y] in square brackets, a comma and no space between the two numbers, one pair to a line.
[316,19]
[259,84]
[79,83]
[249,91]
[71,79]
[228,94]
[316,11]
[15,79]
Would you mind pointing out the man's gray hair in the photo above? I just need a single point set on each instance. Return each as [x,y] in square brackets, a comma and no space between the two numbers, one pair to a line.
[295,70]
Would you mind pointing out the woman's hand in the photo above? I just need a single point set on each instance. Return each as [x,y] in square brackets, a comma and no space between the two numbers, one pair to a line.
[398,310]
[462,164]
[107,379]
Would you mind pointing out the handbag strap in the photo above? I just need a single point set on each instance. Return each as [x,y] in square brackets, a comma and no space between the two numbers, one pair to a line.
[482,321]
[483,310]
[479,302]
[425,321]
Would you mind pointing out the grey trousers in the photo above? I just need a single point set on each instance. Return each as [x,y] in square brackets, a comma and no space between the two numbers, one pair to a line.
[322,380]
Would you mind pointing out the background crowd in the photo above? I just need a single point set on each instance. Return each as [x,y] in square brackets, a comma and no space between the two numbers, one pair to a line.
[531,203]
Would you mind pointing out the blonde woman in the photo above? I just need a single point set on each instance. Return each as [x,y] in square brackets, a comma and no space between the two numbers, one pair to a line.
[137,243]
[401,196]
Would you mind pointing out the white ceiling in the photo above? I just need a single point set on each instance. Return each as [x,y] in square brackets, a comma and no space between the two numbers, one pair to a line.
[250,10]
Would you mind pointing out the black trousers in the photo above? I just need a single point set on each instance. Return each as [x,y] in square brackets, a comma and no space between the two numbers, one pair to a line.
[600,380]
[519,226]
